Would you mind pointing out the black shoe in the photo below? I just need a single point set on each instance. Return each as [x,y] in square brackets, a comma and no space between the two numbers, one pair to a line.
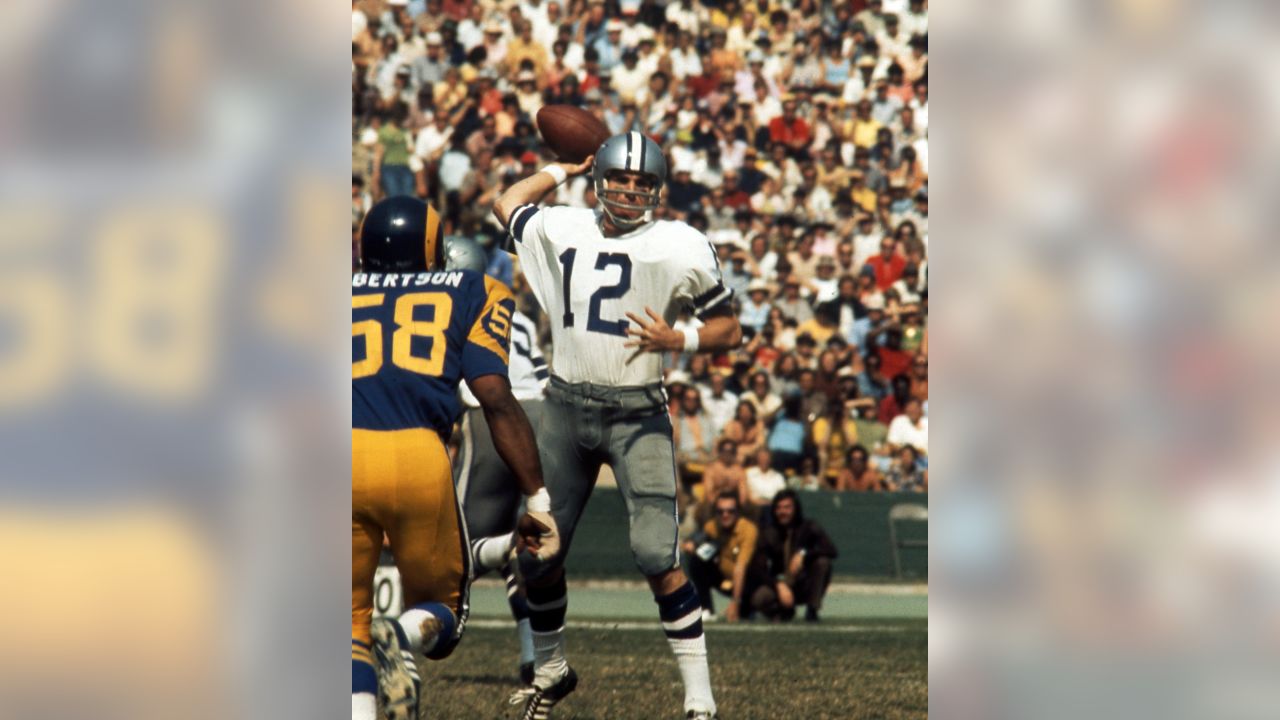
[810,614]
[700,715]
[526,673]
[539,701]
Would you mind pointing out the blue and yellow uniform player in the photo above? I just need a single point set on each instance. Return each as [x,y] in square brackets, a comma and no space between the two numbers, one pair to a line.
[417,330]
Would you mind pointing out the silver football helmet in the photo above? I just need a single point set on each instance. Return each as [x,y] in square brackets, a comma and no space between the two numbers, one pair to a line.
[629,151]
[461,253]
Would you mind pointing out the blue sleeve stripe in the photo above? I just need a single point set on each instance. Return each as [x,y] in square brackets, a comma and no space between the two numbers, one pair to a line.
[541,373]
[704,298]
[539,362]
[519,219]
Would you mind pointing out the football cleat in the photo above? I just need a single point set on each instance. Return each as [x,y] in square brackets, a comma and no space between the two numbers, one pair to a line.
[398,680]
[539,701]
[700,715]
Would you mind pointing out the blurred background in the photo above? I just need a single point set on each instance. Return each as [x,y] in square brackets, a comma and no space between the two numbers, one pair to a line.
[173,410]
[1103,542]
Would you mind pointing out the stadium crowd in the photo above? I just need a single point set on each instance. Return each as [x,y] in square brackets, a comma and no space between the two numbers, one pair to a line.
[796,135]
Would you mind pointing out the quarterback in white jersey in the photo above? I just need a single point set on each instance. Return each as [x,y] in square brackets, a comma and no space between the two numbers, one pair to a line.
[587,283]
[612,280]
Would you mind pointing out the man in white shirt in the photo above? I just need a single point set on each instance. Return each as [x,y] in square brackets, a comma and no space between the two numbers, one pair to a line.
[910,428]
[718,402]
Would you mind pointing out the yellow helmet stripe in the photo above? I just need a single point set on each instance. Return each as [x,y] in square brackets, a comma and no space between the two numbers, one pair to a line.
[432,239]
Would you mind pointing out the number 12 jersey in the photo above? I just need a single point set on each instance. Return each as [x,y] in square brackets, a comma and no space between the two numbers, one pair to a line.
[587,283]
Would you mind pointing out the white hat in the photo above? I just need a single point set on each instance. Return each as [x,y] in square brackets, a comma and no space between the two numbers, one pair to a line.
[434,38]
[875,302]
[613,26]
[757,284]
[678,377]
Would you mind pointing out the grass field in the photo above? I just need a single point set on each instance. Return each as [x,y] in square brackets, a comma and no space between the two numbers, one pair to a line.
[849,666]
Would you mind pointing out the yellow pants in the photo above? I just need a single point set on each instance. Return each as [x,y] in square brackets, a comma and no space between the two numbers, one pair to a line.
[402,486]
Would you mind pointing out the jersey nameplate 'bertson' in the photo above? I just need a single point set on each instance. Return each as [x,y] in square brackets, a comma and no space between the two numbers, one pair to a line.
[414,335]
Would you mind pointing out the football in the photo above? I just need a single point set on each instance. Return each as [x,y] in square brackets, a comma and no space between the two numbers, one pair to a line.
[571,132]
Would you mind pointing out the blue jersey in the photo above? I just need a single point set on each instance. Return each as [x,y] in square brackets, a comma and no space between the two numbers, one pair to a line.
[415,336]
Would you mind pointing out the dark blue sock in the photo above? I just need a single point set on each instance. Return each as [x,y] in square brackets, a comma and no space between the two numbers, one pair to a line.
[547,606]
[681,612]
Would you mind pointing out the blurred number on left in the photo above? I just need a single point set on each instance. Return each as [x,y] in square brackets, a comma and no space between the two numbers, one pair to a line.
[138,317]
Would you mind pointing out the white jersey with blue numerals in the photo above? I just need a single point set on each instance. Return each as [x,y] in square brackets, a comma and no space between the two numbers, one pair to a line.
[527,369]
[587,283]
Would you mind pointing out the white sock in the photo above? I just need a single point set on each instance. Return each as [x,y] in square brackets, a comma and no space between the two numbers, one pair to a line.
[491,553]
[549,661]
[411,620]
[525,631]
[364,706]
[691,656]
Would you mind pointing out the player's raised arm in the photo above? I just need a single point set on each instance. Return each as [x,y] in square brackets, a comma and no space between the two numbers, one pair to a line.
[534,187]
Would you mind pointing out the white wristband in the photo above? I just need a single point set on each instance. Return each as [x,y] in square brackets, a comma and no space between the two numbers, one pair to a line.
[691,339]
[539,501]
[556,172]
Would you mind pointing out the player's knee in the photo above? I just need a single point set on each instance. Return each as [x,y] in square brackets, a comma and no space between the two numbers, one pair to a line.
[653,558]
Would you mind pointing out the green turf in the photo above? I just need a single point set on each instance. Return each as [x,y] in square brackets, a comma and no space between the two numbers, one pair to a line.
[865,669]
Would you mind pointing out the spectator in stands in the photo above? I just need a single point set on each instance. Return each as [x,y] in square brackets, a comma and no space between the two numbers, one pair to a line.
[813,401]
[725,473]
[747,430]
[893,404]
[906,474]
[788,438]
[834,433]
[791,304]
[761,395]
[857,475]
[719,403]
[756,306]
[910,428]
[762,483]
[920,378]
[693,436]
[794,557]
[721,556]
[887,267]
[391,156]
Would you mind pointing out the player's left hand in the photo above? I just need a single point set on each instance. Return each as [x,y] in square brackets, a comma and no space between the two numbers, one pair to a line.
[538,533]
[654,336]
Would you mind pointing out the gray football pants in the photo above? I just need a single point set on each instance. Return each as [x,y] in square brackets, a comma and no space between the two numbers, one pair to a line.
[585,426]
[488,493]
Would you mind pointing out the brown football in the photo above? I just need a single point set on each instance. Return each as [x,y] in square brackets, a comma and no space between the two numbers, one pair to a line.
[571,132]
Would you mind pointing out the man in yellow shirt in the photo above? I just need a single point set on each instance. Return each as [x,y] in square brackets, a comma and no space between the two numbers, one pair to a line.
[721,555]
